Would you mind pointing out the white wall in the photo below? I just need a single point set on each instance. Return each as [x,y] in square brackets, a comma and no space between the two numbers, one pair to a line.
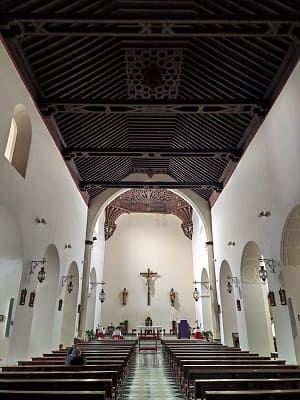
[265,179]
[47,191]
[141,241]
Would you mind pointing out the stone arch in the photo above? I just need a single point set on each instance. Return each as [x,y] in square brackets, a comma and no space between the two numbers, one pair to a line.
[11,266]
[70,307]
[91,303]
[19,139]
[205,300]
[290,255]
[228,306]
[44,309]
[255,300]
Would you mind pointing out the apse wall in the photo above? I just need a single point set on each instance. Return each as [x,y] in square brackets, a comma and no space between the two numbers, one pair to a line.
[144,241]
[266,179]
[45,190]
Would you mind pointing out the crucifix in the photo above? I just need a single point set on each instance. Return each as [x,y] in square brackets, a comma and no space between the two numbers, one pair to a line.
[148,275]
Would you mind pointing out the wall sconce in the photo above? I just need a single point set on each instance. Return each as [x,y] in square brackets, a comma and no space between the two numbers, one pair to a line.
[41,221]
[231,243]
[196,294]
[65,279]
[42,273]
[90,242]
[68,246]
[270,263]
[264,214]
[102,293]
[234,280]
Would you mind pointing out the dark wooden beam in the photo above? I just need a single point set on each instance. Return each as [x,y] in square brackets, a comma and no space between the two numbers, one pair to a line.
[108,106]
[229,154]
[218,186]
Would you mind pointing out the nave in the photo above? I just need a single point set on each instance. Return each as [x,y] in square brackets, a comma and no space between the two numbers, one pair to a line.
[187,369]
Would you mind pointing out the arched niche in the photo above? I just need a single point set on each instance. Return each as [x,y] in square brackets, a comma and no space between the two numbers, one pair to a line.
[70,306]
[91,303]
[206,301]
[291,270]
[11,265]
[255,300]
[44,309]
[19,139]
[228,305]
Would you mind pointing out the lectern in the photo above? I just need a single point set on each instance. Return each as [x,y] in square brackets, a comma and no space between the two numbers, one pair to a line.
[183,329]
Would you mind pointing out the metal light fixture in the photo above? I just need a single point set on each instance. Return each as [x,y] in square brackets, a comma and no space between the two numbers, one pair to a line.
[65,279]
[102,293]
[270,263]
[42,273]
[41,221]
[233,279]
[264,214]
[196,294]
[231,243]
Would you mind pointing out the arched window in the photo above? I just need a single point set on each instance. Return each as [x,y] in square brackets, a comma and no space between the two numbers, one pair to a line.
[19,139]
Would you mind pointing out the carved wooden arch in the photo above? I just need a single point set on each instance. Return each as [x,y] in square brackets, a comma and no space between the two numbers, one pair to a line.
[159,201]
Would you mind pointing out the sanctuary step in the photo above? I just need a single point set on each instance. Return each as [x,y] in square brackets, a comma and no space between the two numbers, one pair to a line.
[150,377]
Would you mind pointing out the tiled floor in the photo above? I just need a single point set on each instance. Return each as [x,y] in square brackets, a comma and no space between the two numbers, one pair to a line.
[150,378]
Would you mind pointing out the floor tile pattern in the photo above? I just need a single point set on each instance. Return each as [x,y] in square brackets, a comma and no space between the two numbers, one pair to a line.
[150,377]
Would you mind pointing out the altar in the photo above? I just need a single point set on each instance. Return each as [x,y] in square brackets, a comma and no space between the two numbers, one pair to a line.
[143,330]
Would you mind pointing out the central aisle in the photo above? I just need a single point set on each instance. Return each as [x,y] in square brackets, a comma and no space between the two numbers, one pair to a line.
[150,378]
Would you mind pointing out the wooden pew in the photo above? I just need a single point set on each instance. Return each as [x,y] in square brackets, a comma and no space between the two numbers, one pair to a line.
[254,394]
[48,384]
[203,385]
[54,395]
[193,372]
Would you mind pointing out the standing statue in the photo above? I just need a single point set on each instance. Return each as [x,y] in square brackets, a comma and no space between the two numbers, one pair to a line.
[172,295]
[124,296]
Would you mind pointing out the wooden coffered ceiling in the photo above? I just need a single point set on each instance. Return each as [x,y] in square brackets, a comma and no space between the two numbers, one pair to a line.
[152,87]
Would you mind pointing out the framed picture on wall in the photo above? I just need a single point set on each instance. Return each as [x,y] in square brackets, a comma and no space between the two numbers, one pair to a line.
[271,297]
[31,299]
[238,305]
[282,296]
[23,296]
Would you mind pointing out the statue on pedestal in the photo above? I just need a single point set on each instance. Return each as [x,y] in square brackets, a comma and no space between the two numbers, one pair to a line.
[124,296]
[172,296]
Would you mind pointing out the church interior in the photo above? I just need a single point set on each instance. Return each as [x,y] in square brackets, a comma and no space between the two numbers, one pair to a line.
[149,192]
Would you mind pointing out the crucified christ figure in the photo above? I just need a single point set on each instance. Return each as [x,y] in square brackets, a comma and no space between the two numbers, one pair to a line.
[149,275]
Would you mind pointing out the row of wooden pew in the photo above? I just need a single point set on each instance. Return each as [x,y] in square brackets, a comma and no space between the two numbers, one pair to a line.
[206,370]
[47,377]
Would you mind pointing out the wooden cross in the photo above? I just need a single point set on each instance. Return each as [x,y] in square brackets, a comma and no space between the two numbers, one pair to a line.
[148,275]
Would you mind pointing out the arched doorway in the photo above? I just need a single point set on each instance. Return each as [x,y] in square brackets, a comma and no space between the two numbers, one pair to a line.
[291,271]
[70,307]
[11,265]
[255,296]
[91,303]
[228,306]
[41,337]
[206,301]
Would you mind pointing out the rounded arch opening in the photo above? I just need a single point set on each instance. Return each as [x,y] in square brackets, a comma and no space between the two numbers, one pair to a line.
[229,318]
[255,298]
[290,254]
[92,298]
[206,300]
[19,139]
[44,308]
[70,306]
[11,265]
